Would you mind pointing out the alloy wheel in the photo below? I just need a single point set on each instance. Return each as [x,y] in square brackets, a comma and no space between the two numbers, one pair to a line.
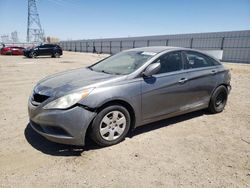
[220,99]
[56,55]
[112,125]
[33,55]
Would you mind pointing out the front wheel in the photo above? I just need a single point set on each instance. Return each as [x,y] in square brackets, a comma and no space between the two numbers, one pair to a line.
[218,100]
[110,125]
[33,54]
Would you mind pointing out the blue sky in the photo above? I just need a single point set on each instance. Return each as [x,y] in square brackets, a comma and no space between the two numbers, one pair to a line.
[84,19]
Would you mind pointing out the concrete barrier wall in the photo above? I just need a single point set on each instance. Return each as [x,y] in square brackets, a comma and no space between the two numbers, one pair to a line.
[235,44]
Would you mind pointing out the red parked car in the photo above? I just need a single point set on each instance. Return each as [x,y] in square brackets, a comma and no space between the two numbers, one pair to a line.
[12,50]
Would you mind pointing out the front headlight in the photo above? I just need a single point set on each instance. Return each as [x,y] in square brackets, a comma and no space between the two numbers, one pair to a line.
[68,100]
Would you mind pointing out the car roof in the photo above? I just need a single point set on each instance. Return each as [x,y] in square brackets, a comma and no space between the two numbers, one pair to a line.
[157,49]
[49,44]
[13,47]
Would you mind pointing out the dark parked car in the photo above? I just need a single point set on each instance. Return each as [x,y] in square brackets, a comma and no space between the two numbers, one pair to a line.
[12,50]
[124,91]
[52,50]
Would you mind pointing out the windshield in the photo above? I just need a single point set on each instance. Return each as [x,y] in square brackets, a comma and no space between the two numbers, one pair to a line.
[123,63]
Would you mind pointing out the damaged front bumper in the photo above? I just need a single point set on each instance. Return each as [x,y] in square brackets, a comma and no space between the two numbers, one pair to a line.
[62,126]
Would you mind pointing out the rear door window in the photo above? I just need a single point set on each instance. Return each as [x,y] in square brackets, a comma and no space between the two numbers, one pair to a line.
[51,46]
[197,60]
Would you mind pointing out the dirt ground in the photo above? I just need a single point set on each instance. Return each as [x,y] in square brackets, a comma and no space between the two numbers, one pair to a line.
[193,150]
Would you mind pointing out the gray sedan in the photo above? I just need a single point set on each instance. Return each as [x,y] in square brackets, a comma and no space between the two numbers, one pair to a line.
[132,88]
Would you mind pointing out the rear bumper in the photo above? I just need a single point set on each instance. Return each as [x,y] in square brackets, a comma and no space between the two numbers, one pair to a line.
[61,126]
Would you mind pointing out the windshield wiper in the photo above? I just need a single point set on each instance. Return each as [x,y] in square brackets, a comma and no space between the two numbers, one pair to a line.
[113,73]
[90,68]
[105,72]
[116,73]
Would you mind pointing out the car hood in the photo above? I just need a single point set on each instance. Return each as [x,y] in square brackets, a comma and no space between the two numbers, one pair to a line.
[65,82]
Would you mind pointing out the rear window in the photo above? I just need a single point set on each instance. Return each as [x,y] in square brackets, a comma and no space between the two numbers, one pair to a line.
[48,46]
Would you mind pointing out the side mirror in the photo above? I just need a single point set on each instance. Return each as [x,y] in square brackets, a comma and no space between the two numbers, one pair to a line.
[152,69]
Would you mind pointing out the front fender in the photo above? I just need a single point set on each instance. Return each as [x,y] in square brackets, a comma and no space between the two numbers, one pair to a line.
[128,92]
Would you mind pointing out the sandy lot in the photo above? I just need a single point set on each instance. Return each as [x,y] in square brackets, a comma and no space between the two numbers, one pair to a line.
[193,150]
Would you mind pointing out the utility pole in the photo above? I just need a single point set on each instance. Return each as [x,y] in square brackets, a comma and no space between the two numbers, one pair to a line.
[35,32]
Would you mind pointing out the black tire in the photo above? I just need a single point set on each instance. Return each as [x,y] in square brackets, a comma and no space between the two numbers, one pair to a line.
[95,134]
[33,55]
[218,100]
[55,55]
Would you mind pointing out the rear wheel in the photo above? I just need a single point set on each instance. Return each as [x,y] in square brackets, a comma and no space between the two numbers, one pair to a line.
[56,55]
[218,100]
[110,126]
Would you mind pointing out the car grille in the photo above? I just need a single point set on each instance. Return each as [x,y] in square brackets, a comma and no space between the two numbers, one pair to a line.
[39,98]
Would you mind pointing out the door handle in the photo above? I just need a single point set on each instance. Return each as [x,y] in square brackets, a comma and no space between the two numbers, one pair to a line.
[213,72]
[183,80]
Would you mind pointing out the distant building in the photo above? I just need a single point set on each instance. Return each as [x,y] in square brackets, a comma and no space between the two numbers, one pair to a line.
[14,36]
[52,39]
[5,39]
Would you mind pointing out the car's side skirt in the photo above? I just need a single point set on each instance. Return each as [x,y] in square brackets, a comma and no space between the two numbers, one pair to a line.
[180,112]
